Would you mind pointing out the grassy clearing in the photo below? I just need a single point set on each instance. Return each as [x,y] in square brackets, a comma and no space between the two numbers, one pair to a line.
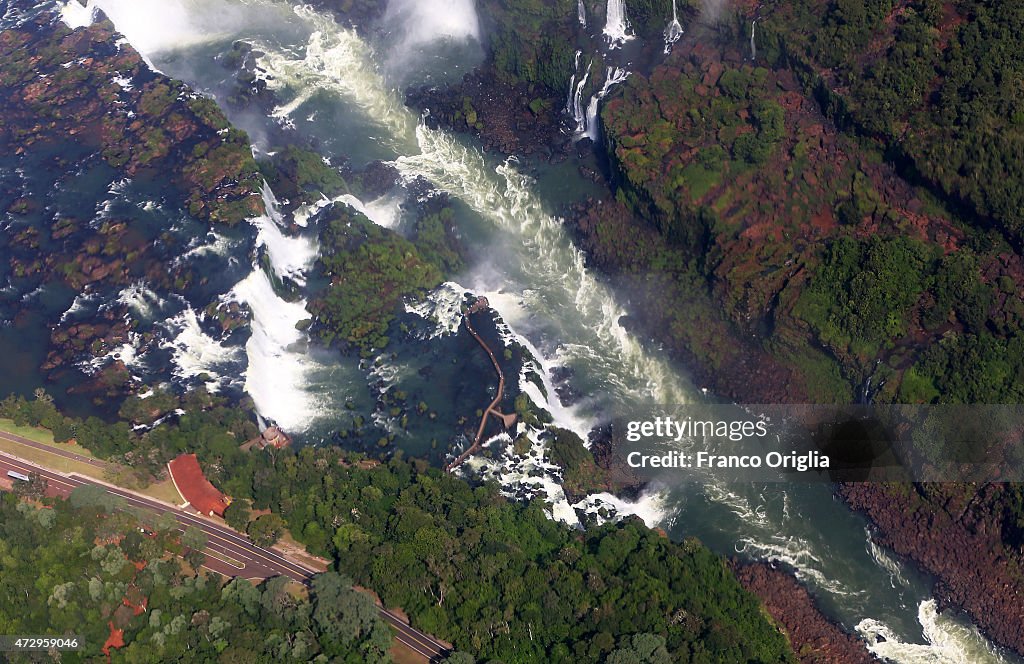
[37,434]
[43,436]
[164,491]
[50,460]
[118,475]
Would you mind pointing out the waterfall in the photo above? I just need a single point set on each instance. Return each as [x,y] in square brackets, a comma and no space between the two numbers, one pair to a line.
[572,83]
[613,76]
[553,290]
[753,46]
[279,366]
[581,13]
[575,105]
[616,27]
[674,30]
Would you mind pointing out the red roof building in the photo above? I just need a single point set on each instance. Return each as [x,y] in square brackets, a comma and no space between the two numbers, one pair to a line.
[193,486]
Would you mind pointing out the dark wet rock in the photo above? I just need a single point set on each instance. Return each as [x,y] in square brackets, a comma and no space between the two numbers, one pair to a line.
[815,639]
[377,179]
[512,119]
[953,532]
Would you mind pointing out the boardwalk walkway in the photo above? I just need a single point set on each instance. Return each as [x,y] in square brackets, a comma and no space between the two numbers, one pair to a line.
[491,409]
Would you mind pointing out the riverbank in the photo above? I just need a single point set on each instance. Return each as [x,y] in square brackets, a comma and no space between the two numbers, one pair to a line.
[815,639]
[952,532]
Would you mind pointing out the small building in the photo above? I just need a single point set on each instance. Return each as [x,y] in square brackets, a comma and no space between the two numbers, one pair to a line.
[272,437]
[194,488]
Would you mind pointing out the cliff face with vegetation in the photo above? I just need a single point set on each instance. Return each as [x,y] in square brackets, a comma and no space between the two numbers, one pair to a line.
[811,240]
[841,213]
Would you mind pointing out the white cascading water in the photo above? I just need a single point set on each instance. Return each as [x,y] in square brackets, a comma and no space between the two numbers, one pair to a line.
[753,44]
[385,211]
[948,641]
[581,13]
[572,82]
[337,62]
[613,76]
[575,105]
[616,26]
[196,354]
[674,31]
[279,366]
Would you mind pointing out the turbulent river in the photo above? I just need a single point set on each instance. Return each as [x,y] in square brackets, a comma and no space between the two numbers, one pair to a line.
[335,87]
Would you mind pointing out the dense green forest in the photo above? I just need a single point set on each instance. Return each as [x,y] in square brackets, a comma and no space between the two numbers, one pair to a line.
[798,199]
[89,567]
[495,577]
[934,83]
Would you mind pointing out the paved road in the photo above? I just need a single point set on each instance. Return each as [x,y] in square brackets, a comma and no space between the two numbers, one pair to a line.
[228,552]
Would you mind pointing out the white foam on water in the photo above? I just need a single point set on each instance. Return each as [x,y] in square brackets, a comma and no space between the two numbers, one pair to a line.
[504,196]
[798,554]
[527,476]
[886,562]
[651,507]
[80,304]
[947,641]
[512,313]
[128,354]
[289,255]
[216,245]
[195,353]
[335,60]
[305,212]
[34,293]
[140,300]
[385,211]
[443,305]
[278,369]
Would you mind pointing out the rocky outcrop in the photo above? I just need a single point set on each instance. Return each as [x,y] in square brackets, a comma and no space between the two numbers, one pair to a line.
[814,638]
[953,532]
[510,118]
[270,437]
[91,87]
